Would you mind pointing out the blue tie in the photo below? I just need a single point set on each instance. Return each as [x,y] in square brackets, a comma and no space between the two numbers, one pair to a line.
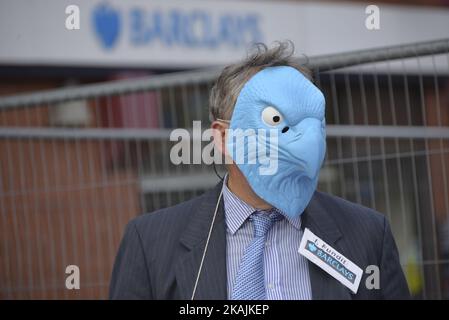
[250,279]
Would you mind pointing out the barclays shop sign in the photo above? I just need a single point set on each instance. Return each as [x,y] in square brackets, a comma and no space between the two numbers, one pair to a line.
[195,33]
[152,33]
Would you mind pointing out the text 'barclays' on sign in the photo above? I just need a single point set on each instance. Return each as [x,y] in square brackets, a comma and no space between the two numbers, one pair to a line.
[194,28]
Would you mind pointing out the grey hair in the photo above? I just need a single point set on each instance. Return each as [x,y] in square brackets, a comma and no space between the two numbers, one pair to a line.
[226,89]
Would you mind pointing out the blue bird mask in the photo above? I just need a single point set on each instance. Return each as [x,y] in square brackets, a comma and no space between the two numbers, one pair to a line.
[279,112]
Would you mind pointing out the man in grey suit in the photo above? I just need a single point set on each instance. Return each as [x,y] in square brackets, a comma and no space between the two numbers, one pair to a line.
[240,240]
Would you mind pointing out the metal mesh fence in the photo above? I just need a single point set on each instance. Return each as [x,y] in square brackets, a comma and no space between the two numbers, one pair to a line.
[76,164]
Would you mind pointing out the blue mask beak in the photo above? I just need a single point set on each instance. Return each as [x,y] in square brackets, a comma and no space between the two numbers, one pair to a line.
[304,147]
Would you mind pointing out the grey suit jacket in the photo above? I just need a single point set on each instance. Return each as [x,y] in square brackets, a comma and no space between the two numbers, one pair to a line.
[160,253]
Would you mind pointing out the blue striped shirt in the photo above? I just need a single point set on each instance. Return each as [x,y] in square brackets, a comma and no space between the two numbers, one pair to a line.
[286,271]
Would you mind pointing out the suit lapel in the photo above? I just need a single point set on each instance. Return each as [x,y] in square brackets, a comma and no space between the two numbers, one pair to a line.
[212,282]
[318,218]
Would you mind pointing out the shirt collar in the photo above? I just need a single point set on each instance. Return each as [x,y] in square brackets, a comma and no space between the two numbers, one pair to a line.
[237,210]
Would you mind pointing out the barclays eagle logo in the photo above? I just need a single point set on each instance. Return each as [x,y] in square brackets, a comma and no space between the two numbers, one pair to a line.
[106,22]
[312,247]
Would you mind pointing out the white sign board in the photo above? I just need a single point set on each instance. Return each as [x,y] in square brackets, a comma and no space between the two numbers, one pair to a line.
[181,33]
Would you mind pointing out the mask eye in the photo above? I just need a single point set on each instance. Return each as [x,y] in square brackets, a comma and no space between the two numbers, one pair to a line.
[271,116]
